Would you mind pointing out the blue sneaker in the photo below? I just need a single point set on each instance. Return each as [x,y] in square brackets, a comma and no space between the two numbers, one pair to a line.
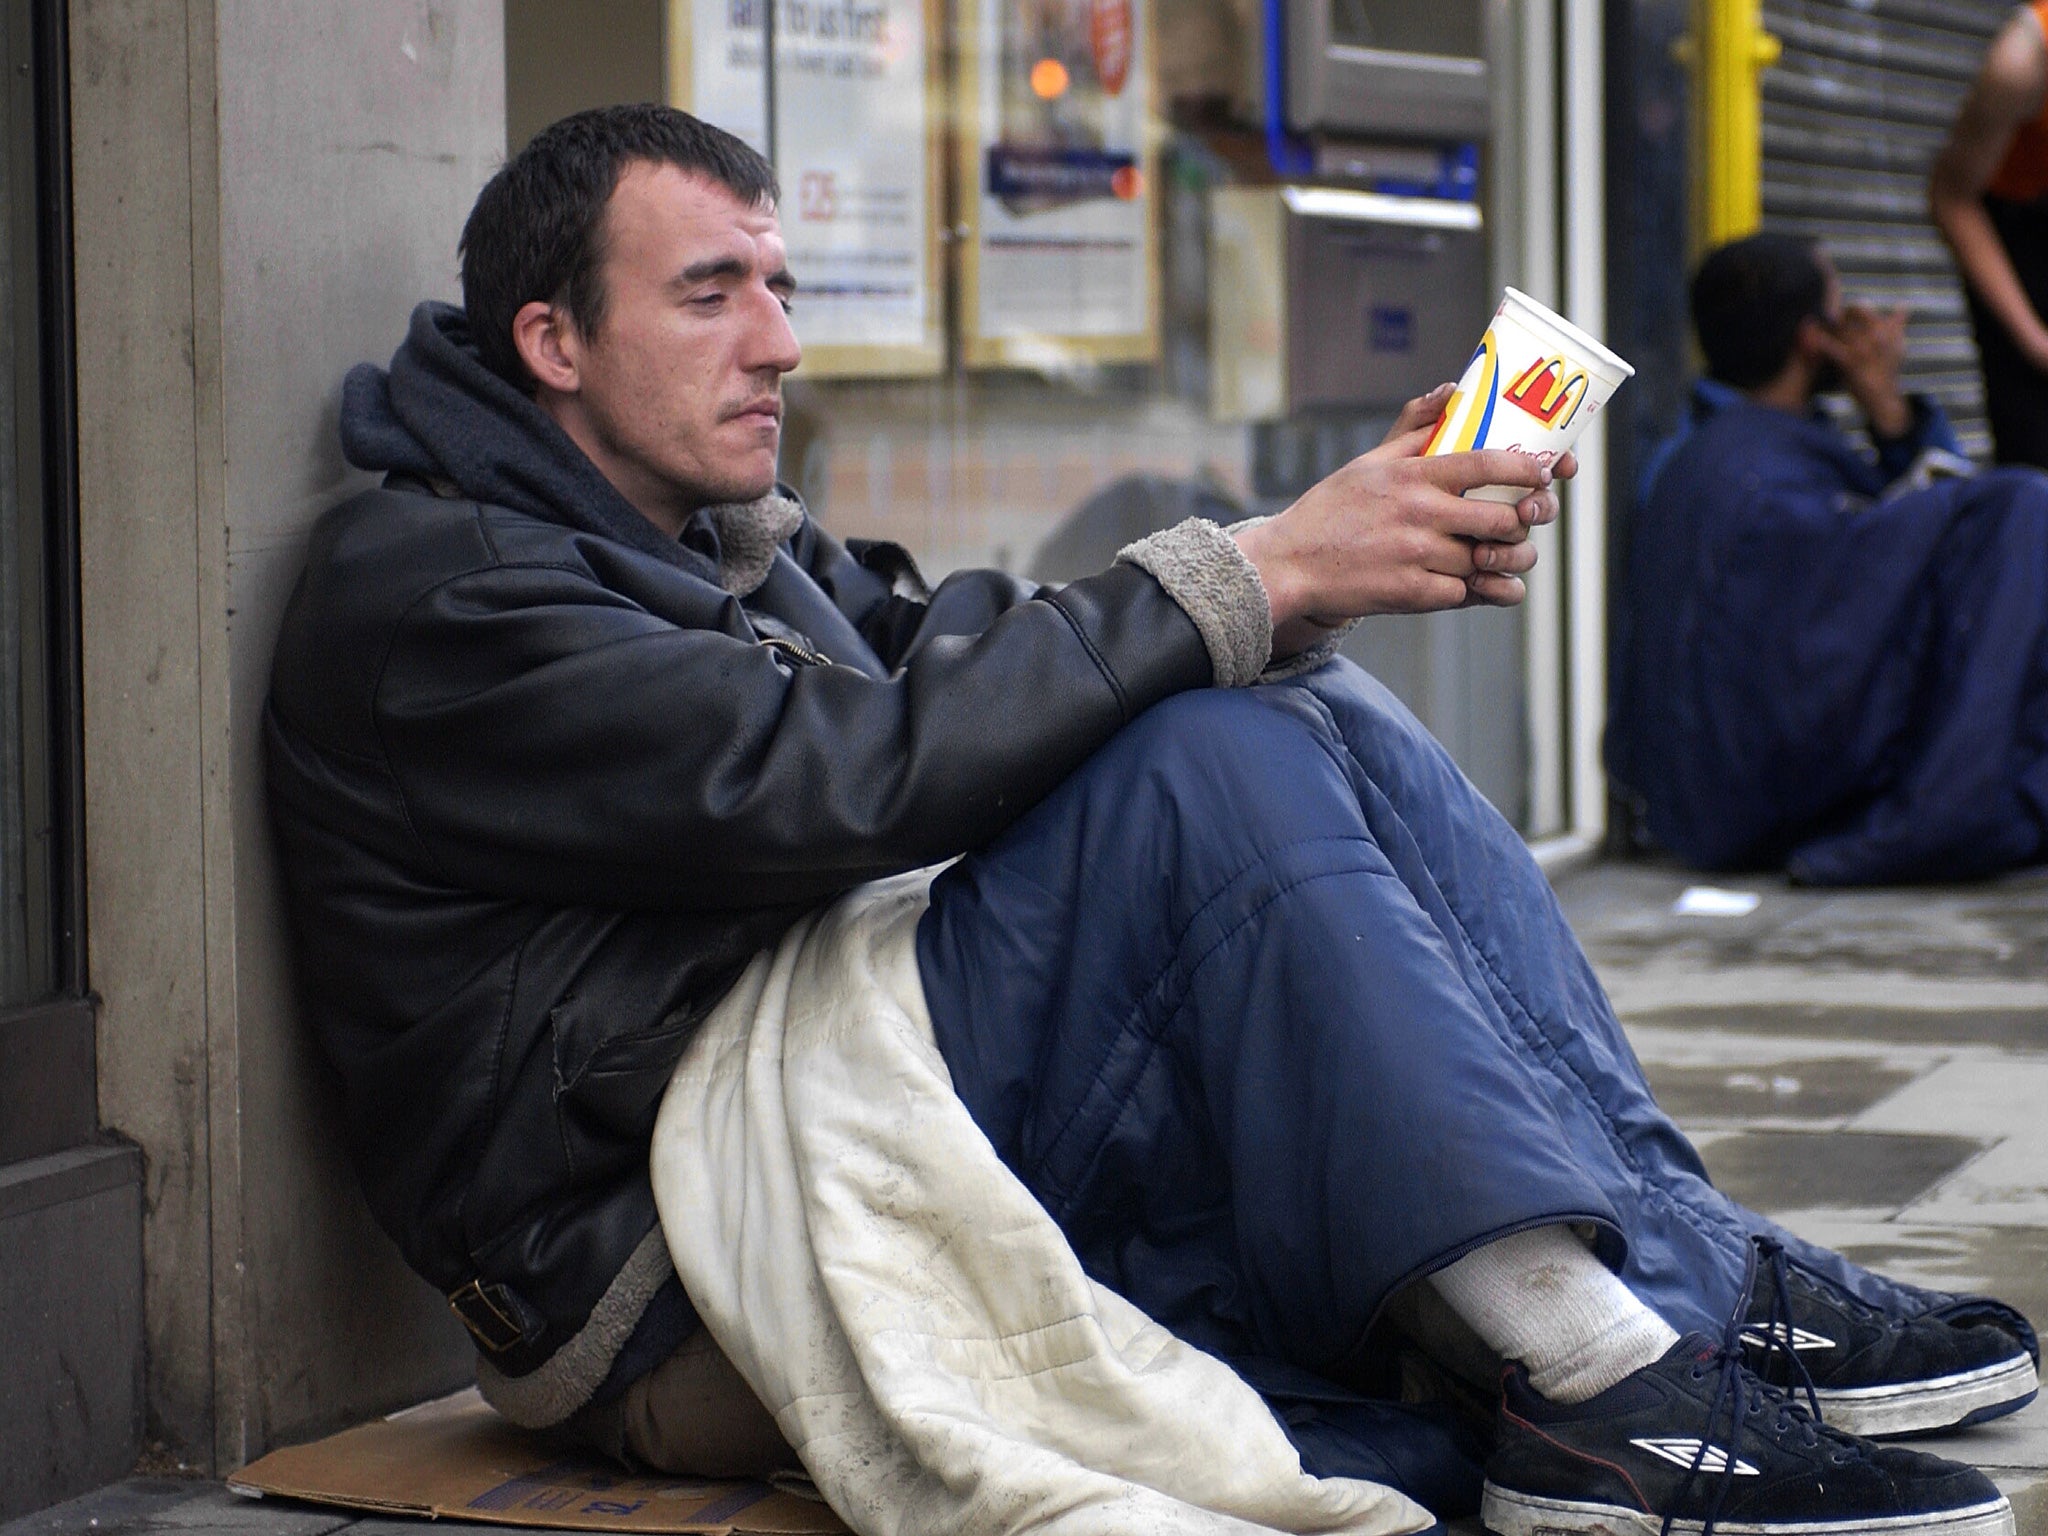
[1873,1374]
[1695,1443]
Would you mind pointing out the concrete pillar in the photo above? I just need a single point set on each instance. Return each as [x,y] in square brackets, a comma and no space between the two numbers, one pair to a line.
[262,190]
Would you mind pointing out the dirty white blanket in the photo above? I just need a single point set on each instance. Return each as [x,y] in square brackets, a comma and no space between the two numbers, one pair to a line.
[918,1325]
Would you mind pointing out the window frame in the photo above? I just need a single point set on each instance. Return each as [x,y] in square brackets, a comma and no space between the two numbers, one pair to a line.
[48,1078]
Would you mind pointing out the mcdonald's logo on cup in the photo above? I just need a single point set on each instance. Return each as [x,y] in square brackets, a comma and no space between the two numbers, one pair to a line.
[1557,378]
[1546,391]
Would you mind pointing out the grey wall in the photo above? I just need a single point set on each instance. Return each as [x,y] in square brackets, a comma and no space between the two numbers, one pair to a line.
[263,188]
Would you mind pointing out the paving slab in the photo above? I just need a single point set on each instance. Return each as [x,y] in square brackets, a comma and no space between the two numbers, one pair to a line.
[144,1506]
[183,1507]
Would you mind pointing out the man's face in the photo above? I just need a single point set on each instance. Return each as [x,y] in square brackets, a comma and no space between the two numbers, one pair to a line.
[1828,372]
[678,392]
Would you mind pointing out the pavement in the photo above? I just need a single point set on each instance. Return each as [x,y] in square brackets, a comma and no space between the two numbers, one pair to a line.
[1870,1068]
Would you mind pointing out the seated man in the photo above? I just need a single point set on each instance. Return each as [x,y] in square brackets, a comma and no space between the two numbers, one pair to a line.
[1819,666]
[1260,1000]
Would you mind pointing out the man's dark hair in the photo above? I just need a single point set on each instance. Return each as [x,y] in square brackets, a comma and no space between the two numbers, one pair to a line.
[1747,301]
[537,230]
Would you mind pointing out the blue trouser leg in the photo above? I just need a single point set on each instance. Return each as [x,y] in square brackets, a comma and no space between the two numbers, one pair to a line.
[1687,1244]
[1274,1014]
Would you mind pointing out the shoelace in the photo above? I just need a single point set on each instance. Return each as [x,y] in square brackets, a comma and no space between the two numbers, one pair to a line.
[1748,1397]
[1778,1330]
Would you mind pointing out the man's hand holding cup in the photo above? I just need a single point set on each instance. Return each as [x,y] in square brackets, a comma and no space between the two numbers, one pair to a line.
[1438,515]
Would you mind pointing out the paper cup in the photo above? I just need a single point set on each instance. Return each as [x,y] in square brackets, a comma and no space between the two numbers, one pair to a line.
[1532,386]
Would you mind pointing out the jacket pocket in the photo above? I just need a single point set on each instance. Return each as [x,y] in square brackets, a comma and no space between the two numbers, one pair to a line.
[609,1083]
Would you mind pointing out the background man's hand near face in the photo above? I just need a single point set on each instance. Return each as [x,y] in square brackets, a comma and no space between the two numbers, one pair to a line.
[1392,532]
[1869,347]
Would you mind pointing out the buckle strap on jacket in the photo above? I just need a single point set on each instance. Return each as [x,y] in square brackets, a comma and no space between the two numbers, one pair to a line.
[491,1314]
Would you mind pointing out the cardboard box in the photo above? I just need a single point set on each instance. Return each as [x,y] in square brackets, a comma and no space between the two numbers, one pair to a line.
[457,1459]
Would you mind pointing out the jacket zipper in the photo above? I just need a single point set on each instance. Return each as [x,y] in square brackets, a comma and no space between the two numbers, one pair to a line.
[802,654]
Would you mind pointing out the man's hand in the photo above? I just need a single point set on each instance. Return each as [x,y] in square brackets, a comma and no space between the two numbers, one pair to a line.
[1392,532]
[1869,346]
[1423,411]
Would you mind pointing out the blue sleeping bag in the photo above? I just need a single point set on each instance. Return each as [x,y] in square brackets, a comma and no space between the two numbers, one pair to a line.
[1813,674]
[1275,1014]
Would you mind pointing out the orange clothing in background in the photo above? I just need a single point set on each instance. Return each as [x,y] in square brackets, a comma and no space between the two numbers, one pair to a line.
[2022,175]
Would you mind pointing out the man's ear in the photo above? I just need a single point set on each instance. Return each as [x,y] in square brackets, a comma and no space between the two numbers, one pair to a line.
[549,345]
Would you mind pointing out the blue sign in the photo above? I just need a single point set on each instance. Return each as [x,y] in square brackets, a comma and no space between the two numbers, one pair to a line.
[1390,328]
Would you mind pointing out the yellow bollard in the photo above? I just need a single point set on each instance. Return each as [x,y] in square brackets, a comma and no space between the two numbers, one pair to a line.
[1728,52]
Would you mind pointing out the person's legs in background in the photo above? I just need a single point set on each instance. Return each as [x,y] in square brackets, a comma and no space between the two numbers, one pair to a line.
[2015,391]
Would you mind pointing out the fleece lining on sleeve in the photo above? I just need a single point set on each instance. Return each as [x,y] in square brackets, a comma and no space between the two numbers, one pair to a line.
[1204,571]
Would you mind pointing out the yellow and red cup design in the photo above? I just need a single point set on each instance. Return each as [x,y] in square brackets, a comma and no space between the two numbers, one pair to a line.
[1532,387]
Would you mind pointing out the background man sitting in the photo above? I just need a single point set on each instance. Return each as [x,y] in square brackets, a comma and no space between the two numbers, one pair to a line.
[1818,666]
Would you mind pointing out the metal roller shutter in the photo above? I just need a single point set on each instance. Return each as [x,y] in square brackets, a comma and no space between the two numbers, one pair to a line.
[1852,115]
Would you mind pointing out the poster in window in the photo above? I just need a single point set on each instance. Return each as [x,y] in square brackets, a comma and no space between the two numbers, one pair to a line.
[856,152]
[1056,176]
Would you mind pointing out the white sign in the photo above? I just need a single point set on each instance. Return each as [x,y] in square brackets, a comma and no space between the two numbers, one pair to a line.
[1061,179]
[854,154]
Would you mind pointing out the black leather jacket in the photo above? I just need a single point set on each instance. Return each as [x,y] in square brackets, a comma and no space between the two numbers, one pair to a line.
[540,795]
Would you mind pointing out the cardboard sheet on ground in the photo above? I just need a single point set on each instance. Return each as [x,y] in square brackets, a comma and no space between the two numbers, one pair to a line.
[457,1459]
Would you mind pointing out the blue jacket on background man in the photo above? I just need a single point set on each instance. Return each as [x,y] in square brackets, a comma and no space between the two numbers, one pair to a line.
[1813,673]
